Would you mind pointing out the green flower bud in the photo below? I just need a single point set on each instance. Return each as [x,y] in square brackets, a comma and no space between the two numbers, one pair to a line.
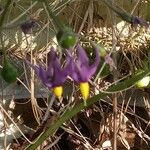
[9,73]
[66,39]
[143,82]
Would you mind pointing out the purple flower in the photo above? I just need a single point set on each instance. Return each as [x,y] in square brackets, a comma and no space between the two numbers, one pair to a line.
[55,75]
[27,26]
[81,71]
[139,21]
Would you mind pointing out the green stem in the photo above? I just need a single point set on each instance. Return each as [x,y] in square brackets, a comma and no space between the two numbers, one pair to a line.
[76,109]
[57,22]
[2,44]
[148,11]
[4,12]
[121,13]
[1,23]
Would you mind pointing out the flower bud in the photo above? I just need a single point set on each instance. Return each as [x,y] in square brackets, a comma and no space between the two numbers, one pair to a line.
[9,72]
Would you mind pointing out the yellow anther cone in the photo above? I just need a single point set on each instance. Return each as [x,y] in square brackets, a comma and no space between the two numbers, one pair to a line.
[58,91]
[85,90]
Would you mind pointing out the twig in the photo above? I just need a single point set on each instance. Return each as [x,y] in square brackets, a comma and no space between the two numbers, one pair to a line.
[13,21]
[15,124]
[114,41]
[48,109]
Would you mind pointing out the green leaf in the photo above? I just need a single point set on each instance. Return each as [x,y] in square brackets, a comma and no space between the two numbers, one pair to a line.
[9,72]
[119,11]
[148,11]
[130,82]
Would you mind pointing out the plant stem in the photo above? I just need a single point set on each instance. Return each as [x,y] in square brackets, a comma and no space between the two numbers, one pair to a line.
[121,13]
[4,12]
[114,99]
[48,108]
[1,23]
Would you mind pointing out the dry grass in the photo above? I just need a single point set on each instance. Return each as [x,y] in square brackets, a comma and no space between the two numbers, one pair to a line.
[93,20]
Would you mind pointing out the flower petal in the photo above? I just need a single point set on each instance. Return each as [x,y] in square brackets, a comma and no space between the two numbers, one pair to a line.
[80,70]
[42,74]
[71,68]
[59,74]
[110,62]
[35,67]
[80,73]
[139,21]
[45,77]
[82,56]
[75,75]
[51,56]
[55,75]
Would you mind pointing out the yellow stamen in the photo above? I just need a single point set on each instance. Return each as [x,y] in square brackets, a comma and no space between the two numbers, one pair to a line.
[85,90]
[58,91]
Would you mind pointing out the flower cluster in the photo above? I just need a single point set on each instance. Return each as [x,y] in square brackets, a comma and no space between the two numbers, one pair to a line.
[78,68]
